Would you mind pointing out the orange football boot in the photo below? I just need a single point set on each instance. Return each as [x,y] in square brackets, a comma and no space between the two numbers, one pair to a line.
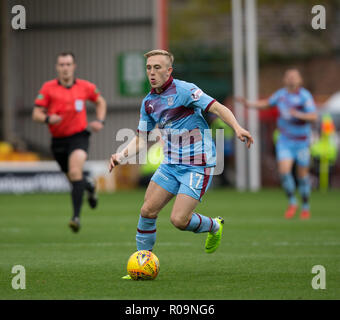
[290,212]
[305,214]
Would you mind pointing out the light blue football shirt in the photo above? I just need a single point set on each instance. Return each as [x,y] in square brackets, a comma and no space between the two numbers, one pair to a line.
[292,129]
[177,111]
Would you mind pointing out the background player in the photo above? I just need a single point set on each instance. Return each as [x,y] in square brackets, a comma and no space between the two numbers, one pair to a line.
[296,112]
[189,153]
[61,104]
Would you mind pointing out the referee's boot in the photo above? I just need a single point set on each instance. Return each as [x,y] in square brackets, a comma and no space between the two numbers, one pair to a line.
[92,197]
[74,224]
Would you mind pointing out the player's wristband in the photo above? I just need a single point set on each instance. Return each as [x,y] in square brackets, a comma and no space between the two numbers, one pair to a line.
[101,121]
[47,119]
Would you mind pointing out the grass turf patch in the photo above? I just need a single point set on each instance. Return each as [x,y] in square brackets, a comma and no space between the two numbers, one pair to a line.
[262,255]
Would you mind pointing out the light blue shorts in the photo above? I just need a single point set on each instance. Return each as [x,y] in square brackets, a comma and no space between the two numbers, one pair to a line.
[296,152]
[192,181]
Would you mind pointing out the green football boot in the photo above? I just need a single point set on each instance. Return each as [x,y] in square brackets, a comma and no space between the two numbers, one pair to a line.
[127,277]
[214,239]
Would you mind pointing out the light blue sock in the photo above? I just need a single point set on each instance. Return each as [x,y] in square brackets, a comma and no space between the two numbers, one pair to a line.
[304,189]
[288,184]
[146,233]
[200,223]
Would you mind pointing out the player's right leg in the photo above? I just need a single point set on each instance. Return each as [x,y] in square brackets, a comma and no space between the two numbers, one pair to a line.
[285,164]
[156,197]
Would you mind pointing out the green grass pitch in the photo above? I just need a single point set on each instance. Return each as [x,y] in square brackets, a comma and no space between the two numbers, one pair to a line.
[262,255]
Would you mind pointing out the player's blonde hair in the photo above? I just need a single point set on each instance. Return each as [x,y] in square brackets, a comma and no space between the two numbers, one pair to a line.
[161,52]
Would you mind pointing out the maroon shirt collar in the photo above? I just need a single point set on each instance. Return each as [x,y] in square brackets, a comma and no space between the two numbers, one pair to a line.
[296,91]
[165,86]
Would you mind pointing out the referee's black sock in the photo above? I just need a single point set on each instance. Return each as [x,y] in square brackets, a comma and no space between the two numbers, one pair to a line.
[77,193]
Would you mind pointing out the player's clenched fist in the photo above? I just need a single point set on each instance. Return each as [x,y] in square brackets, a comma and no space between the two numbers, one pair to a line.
[115,160]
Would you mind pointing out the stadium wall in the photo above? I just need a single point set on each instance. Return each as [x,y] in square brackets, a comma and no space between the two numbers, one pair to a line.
[97,34]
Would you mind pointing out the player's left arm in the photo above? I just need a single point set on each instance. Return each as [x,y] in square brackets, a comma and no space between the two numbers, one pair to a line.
[309,113]
[305,116]
[227,116]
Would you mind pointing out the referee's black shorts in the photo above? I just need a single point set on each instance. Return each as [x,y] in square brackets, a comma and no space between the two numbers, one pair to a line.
[63,147]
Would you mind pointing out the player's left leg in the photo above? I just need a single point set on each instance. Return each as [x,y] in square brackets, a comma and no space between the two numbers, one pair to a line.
[193,186]
[76,163]
[184,218]
[302,160]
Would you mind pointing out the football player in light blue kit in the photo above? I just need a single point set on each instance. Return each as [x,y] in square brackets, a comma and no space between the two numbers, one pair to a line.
[176,107]
[296,113]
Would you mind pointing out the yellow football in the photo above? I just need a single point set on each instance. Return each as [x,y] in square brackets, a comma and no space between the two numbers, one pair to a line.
[143,265]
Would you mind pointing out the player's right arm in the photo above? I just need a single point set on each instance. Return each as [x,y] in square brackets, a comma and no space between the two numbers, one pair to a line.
[135,145]
[262,103]
[146,124]
[258,104]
